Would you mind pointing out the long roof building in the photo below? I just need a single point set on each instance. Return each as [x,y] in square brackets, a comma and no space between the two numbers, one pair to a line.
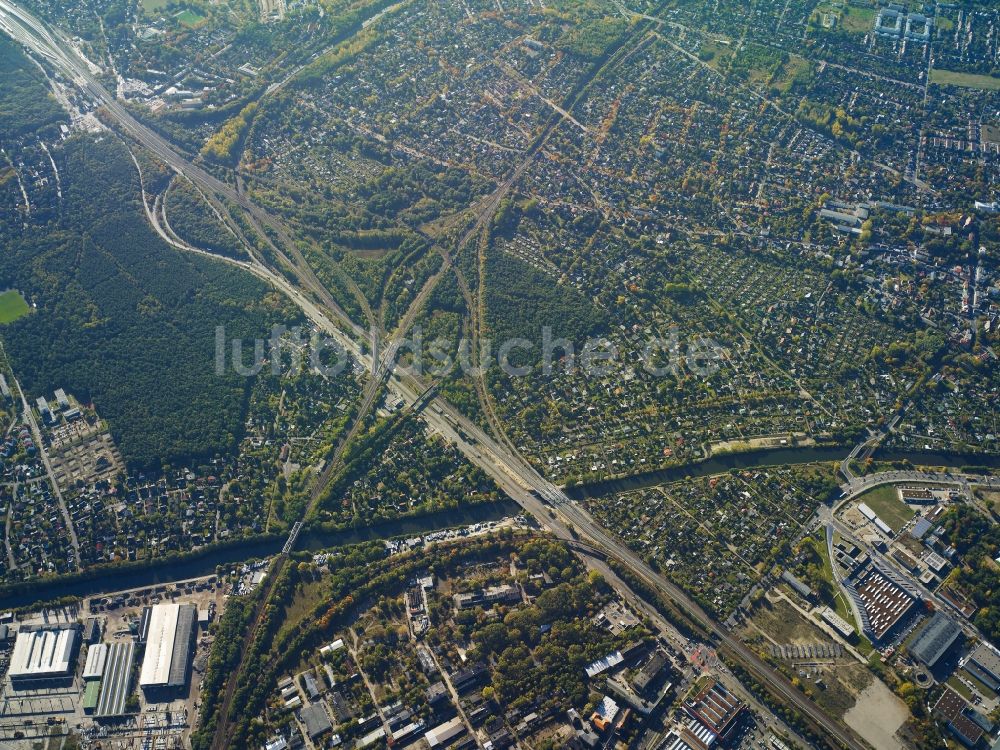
[117,681]
[43,653]
[168,646]
[885,601]
[97,656]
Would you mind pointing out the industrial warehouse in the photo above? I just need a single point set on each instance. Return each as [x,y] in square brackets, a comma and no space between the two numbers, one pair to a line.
[168,631]
[43,655]
[116,683]
[78,668]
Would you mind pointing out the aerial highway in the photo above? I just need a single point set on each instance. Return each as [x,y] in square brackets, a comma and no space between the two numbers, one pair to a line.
[539,497]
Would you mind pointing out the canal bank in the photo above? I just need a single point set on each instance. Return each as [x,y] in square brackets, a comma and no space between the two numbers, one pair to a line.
[769,457]
[206,562]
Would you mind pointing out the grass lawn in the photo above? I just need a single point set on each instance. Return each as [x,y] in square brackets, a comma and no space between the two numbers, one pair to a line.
[189,18]
[965,80]
[797,68]
[858,20]
[715,52]
[992,499]
[12,306]
[886,503]
[153,6]
[306,598]
[981,686]
[959,687]
[840,605]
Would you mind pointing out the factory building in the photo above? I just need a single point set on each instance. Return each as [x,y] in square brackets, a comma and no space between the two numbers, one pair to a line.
[97,657]
[984,663]
[886,603]
[718,710]
[117,681]
[166,664]
[873,517]
[91,696]
[935,639]
[43,654]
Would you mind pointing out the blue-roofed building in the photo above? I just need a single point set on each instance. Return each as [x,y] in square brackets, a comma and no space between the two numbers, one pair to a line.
[934,639]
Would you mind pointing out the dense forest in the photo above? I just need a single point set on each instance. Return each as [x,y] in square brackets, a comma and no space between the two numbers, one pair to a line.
[977,540]
[128,322]
[192,218]
[25,103]
[521,300]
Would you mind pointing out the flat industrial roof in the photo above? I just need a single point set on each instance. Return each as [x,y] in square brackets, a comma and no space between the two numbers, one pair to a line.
[885,601]
[987,658]
[42,653]
[935,638]
[187,622]
[97,656]
[116,684]
[91,695]
[159,645]
[442,734]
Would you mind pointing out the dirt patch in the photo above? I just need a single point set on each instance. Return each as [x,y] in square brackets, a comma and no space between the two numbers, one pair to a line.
[833,683]
[784,624]
[877,716]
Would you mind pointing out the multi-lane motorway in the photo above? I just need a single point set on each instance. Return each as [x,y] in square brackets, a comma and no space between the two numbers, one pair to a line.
[522,482]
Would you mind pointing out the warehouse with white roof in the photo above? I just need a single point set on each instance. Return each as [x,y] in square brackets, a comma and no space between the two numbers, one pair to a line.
[43,654]
[166,664]
[97,656]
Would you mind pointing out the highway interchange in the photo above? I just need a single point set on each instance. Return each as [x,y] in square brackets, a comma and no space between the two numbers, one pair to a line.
[539,497]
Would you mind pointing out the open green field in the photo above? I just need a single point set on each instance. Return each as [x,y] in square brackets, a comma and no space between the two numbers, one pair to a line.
[153,6]
[965,80]
[858,20]
[189,18]
[796,69]
[12,306]
[838,16]
[886,503]
[715,52]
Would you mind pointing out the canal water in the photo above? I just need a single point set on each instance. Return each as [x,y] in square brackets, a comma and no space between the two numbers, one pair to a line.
[775,457]
[195,565]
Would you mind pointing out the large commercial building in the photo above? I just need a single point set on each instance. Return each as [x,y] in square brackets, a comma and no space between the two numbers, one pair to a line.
[886,603]
[117,681]
[717,709]
[957,714]
[984,663]
[43,654]
[166,664]
[934,640]
[444,734]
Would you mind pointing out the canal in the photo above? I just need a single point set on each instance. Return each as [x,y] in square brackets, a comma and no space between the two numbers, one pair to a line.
[770,457]
[202,564]
[195,565]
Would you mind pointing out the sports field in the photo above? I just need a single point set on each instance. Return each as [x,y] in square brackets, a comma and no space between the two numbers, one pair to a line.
[887,505]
